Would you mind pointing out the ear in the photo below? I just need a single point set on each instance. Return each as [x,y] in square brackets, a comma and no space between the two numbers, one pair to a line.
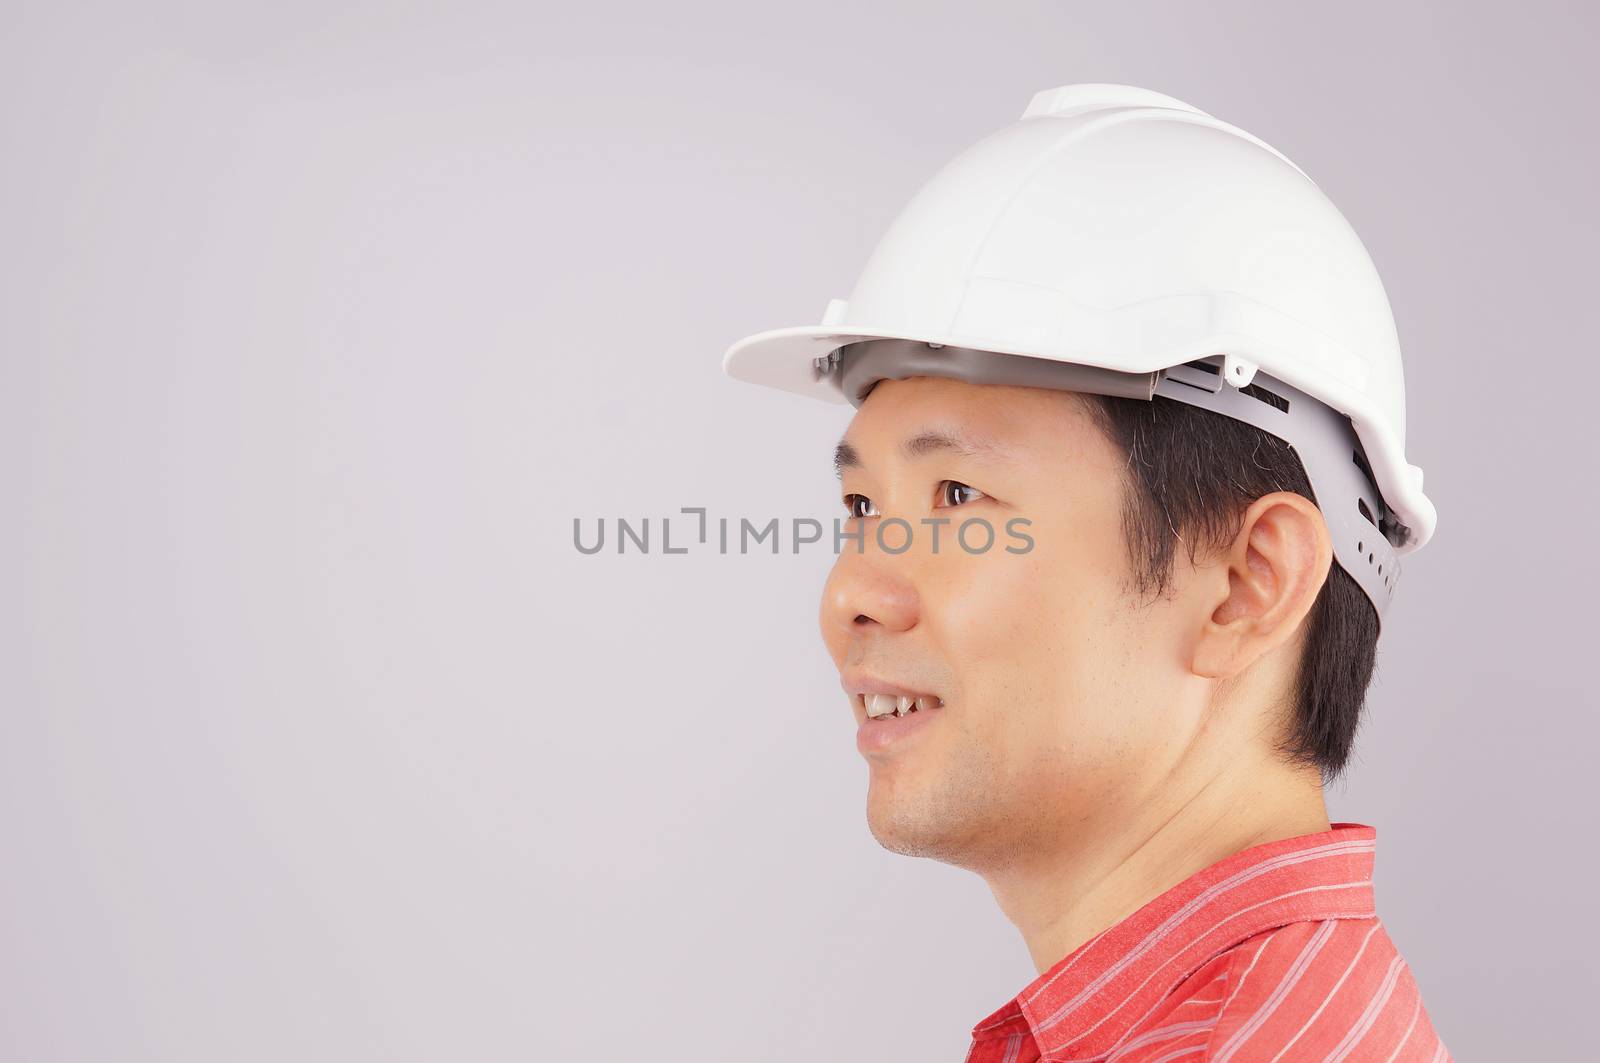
[1274,568]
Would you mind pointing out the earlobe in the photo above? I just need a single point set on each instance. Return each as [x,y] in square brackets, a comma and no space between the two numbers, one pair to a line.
[1275,568]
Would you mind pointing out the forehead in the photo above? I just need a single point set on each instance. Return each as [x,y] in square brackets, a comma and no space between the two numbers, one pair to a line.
[1000,419]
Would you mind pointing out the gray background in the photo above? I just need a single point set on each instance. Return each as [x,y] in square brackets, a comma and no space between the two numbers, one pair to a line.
[321,322]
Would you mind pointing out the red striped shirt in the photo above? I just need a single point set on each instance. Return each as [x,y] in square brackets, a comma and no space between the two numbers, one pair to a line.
[1273,953]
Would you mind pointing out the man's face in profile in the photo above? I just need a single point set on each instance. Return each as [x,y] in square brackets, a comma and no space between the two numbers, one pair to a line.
[1051,673]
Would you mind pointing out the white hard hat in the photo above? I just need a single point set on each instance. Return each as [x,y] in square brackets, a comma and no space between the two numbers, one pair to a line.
[1163,251]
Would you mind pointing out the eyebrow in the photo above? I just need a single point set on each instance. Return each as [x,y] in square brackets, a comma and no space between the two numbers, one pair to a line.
[928,441]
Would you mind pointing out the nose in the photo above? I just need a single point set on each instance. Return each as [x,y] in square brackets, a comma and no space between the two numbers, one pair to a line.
[866,592]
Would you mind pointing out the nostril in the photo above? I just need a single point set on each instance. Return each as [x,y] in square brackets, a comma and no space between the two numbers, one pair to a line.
[863,618]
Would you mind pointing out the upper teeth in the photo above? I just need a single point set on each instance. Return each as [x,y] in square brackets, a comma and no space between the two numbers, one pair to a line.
[884,704]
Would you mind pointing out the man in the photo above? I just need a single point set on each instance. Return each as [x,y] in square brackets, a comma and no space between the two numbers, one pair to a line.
[1144,344]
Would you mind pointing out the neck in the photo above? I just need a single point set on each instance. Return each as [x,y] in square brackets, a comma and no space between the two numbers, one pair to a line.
[1060,898]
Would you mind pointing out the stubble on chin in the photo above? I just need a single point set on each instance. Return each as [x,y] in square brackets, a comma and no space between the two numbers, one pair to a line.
[936,825]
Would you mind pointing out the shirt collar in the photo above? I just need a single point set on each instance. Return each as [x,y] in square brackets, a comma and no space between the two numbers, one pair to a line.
[1101,990]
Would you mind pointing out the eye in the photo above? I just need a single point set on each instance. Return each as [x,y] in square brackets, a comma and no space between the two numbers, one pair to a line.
[860,506]
[953,493]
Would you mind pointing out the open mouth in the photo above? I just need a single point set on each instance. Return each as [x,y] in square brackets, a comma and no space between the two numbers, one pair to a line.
[882,706]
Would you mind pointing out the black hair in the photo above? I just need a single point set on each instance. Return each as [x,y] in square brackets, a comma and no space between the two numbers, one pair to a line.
[1189,476]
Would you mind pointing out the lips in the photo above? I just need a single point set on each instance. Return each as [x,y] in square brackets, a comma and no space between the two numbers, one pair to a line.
[889,722]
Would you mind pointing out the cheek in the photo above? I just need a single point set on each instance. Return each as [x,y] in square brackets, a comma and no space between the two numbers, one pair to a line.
[1042,643]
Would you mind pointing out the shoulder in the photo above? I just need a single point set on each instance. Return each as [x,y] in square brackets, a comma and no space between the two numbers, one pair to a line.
[1334,987]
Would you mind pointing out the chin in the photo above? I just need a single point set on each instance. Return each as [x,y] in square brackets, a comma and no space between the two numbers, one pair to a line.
[906,843]
[943,823]
[901,823]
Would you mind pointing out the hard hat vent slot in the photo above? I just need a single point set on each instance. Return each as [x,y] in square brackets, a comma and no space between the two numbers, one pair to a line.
[1361,504]
[1362,464]
[1256,391]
